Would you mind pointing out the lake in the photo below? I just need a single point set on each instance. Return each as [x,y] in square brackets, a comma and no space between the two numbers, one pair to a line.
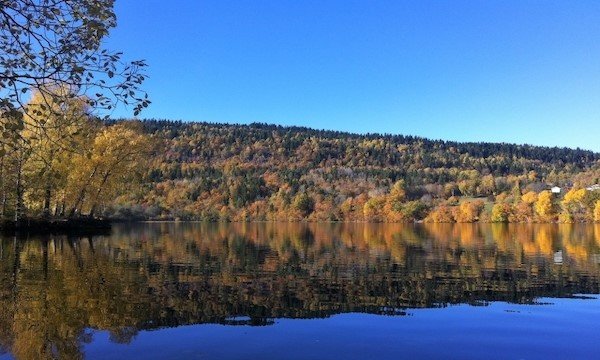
[303,291]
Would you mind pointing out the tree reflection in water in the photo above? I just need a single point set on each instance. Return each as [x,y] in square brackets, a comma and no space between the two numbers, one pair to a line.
[55,290]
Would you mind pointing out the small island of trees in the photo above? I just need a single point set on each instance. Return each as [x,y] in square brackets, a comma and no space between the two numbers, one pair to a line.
[56,157]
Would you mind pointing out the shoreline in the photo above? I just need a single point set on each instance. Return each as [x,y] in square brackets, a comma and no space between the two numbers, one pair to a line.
[101,226]
[56,226]
[121,221]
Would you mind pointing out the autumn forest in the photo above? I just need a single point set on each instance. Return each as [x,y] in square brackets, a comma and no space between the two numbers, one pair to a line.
[66,163]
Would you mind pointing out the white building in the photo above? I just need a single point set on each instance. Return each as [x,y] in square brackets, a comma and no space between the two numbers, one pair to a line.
[593,187]
[558,257]
[555,190]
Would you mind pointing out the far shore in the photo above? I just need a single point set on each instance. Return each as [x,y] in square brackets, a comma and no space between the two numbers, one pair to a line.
[98,226]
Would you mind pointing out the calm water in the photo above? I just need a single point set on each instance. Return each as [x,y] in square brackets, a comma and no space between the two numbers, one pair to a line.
[298,291]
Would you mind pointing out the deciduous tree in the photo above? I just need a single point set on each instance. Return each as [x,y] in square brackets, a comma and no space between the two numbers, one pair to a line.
[48,45]
[544,205]
[501,212]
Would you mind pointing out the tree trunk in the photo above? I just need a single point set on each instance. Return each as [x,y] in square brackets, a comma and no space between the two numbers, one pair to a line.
[4,201]
[59,207]
[82,193]
[3,206]
[92,210]
[100,188]
[47,199]
[63,207]
[19,192]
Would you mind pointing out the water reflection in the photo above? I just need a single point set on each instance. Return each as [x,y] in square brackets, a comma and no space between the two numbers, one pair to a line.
[54,290]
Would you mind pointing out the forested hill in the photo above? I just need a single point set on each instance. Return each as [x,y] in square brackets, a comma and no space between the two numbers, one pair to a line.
[270,172]
[338,142]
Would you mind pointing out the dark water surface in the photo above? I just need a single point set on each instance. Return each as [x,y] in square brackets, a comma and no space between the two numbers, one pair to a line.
[303,291]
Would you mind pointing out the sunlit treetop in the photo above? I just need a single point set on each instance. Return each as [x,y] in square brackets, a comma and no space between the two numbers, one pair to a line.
[57,44]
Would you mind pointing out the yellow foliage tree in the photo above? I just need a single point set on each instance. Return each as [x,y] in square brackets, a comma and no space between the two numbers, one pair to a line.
[523,210]
[544,206]
[468,211]
[530,197]
[501,212]
[565,217]
[573,197]
[573,205]
[441,214]
[373,209]
[597,211]
[397,192]
[347,209]
[393,203]
[54,133]
[117,155]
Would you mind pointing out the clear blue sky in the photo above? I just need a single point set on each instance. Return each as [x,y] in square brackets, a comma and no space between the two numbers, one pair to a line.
[510,71]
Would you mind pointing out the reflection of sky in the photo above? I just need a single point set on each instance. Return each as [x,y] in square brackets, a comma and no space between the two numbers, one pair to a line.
[558,328]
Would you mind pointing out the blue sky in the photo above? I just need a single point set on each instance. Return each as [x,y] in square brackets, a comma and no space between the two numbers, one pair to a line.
[508,71]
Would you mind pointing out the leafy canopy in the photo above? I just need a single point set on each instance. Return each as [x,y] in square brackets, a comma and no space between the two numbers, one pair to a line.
[47,45]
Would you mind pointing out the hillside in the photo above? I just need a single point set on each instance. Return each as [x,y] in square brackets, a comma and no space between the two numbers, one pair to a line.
[268,172]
